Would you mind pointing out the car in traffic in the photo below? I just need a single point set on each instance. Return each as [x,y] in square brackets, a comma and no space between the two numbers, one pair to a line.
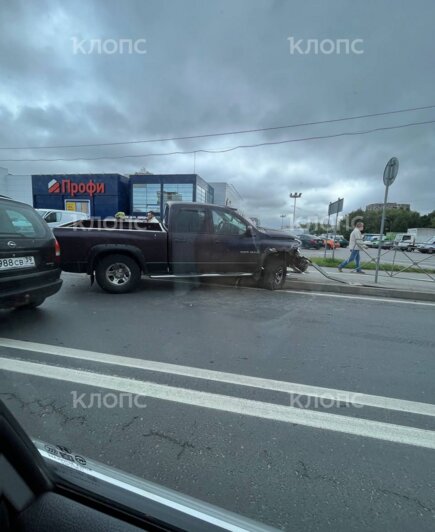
[194,240]
[310,241]
[56,218]
[427,247]
[29,257]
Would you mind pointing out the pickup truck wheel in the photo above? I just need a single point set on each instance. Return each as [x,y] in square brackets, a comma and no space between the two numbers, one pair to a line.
[274,275]
[117,274]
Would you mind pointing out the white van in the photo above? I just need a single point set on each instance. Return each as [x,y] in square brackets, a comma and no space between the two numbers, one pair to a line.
[55,217]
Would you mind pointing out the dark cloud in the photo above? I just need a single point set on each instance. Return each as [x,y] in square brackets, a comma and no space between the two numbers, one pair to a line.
[219,66]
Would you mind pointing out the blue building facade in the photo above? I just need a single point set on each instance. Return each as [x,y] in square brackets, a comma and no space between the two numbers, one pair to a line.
[100,195]
[150,192]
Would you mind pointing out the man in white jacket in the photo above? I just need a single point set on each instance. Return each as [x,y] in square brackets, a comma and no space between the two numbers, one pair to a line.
[355,244]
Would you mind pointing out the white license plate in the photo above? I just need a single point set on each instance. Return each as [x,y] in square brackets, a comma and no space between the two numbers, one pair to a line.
[13,263]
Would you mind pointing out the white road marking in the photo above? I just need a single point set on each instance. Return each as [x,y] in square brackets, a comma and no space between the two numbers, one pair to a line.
[246,407]
[355,398]
[364,298]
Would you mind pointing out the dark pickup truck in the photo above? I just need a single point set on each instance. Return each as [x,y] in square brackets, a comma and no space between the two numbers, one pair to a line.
[194,240]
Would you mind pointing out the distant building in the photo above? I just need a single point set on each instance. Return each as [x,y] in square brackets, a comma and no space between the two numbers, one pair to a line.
[150,192]
[17,187]
[226,194]
[379,206]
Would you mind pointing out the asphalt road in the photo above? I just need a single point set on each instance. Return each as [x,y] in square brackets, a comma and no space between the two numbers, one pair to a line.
[283,454]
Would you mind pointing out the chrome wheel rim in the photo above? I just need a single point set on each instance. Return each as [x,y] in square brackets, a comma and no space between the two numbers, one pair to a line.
[118,274]
[277,278]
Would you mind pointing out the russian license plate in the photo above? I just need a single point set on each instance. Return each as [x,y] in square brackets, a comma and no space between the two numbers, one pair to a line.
[13,263]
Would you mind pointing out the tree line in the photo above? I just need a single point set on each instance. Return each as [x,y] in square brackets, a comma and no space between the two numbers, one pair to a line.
[396,221]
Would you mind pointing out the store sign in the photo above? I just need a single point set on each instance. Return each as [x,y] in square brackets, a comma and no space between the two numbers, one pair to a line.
[66,186]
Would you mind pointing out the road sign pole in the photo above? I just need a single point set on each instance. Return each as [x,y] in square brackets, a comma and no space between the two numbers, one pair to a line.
[326,239]
[335,234]
[390,174]
[382,232]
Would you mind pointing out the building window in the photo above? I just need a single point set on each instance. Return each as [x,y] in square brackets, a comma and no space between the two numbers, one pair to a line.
[201,194]
[177,192]
[146,197]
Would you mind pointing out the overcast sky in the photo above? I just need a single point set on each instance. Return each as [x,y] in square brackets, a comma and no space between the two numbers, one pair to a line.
[217,66]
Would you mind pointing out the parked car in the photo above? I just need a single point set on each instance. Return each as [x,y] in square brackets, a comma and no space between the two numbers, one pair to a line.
[342,241]
[310,241]
[29,257]
[330,243]
[368,237]
[414,237]
[385,243]
[55,218]
[194,240]
[427,247]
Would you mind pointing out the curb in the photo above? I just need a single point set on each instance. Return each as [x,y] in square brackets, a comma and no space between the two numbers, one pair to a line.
[363,290]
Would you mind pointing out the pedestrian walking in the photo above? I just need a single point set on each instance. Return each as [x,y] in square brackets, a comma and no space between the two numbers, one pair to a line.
[355,244]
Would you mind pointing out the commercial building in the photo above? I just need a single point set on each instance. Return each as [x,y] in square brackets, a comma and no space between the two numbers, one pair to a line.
[100,195]
[17,187]
[103,195]
[379,206]
[150,192]
[226,194]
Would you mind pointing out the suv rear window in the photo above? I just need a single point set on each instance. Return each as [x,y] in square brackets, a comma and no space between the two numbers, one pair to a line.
[20,221]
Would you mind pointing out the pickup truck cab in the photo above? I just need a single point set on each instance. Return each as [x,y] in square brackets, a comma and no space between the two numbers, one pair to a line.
[193,240]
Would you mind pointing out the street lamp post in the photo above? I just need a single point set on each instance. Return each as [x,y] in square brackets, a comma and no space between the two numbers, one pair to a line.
[295,196]
[282,220]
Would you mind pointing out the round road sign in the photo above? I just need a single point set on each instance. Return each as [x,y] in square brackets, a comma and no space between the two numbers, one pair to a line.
[390,171]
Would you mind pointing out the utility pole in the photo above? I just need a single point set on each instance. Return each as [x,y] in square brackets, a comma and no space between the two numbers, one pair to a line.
[282,220]
[295,196]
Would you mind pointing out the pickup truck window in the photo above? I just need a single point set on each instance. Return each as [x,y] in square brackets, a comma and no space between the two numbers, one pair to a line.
[190,220]
[225,223]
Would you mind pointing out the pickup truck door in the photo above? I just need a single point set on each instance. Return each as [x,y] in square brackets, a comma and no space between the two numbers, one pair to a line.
[235,247]
[190,240]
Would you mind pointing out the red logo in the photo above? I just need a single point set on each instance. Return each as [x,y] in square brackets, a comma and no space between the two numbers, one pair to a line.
[53,187]
[72,189]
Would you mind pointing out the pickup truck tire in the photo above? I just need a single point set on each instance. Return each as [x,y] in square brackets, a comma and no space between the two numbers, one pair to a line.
[274,274]
[117,274]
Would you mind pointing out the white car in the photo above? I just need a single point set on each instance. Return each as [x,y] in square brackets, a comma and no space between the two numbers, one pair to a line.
[427,247]
[55,217]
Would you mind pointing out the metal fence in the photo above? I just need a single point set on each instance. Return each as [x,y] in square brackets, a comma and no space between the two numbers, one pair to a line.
[403,264]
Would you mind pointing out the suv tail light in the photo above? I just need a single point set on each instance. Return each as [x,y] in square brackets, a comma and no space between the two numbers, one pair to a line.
[56,251]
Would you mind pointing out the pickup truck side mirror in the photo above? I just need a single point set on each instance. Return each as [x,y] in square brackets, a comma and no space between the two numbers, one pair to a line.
[249,231]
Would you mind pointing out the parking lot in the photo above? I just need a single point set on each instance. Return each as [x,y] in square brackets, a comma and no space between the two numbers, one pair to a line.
[234,396]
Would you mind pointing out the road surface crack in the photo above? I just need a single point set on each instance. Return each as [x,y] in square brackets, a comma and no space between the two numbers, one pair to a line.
[45,408]
[128,423]
[303,472]
[407,498]
[182,444]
